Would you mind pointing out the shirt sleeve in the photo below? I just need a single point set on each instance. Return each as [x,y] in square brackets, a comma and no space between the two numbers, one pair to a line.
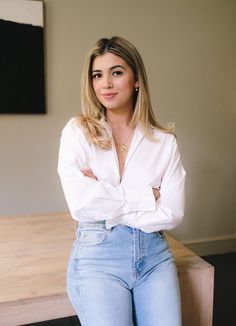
[170,206]
[86,197]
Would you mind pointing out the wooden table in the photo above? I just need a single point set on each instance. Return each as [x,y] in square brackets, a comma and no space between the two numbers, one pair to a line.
[33,258]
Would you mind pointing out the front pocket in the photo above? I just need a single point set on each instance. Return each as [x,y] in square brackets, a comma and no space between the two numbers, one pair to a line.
[91,237]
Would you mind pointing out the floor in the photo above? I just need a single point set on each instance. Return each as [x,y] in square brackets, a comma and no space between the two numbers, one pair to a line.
[225,288]
[224,295]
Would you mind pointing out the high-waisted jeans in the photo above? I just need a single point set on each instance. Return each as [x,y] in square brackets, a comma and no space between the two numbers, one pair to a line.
[122,277]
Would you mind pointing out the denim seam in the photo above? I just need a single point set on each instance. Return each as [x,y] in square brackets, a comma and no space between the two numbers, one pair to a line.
[133,258]
[77,288]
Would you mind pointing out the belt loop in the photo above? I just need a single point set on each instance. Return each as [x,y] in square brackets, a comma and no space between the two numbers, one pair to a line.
[108,228]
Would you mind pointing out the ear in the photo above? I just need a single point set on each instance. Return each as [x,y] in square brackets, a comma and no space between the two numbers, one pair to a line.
[136,85]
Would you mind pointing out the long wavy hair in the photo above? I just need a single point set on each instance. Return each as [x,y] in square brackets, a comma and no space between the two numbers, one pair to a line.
[93,111]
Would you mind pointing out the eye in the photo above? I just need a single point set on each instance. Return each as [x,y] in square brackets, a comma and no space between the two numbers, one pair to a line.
[96,76]
[117,73]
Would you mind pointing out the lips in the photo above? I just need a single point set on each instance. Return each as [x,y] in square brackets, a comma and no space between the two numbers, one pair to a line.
[108,95]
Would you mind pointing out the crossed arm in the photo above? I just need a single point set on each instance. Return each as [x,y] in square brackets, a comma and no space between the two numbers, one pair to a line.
[88,197]
[89,173]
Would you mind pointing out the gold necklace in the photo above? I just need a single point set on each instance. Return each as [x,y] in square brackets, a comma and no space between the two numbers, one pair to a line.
[123,145]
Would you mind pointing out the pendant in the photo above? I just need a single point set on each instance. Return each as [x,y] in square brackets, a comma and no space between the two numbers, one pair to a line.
[123,148]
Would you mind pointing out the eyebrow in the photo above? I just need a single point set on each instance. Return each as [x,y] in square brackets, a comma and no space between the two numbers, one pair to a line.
[113,67]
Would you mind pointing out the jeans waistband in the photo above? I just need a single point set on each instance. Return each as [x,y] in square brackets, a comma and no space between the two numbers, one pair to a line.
[97,224]
[102,225]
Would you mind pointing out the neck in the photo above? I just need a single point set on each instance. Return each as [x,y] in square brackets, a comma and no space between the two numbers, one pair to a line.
[119,119]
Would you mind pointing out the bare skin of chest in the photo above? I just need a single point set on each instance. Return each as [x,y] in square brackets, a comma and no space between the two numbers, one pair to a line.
[122,156]
[126,139]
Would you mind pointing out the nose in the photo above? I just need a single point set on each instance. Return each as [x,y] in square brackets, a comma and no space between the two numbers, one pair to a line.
[107,82]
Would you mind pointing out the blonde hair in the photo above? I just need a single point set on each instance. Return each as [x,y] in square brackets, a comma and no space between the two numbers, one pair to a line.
[93,110]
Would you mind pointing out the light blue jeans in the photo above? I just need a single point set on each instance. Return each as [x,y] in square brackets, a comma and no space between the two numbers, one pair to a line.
[122,277]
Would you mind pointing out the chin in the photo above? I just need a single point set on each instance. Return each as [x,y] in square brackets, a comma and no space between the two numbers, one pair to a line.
[110,106]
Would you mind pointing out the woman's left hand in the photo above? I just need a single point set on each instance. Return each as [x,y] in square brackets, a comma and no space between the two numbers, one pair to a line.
[156,193]
[87,172]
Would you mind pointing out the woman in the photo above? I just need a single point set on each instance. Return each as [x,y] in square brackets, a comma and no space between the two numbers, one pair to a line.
[124,182]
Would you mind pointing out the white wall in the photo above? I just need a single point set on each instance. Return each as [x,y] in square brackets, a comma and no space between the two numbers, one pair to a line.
[189,50]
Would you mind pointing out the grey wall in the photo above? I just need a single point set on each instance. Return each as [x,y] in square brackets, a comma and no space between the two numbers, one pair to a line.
[189,48]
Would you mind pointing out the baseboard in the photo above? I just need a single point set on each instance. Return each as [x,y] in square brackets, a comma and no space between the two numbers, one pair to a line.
[212,245]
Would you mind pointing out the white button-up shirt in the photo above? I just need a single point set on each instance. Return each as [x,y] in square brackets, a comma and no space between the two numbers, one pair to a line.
[130,201]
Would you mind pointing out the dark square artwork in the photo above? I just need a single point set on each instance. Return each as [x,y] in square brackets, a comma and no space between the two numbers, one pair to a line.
[22,57]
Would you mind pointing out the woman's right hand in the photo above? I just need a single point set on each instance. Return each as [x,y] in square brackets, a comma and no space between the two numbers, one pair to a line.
[87,172]
[156,193]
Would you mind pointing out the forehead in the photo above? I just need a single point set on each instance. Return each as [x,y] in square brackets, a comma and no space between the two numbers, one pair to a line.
[108,60]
